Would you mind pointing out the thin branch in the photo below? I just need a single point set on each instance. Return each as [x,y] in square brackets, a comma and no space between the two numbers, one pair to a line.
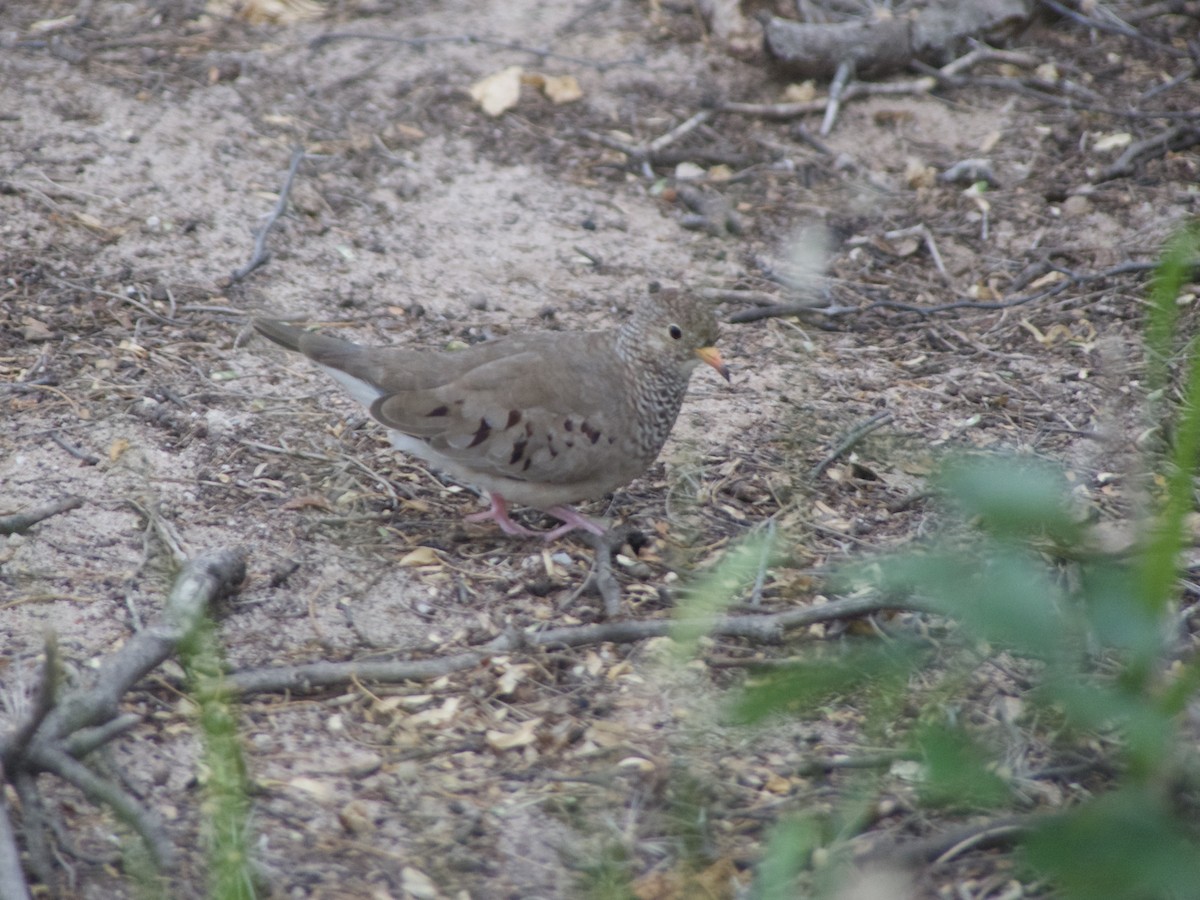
[770,628]
[857,433]
[43,703]
[33,813]
[261,255]
[601,578]
[992,833]
[102,792]
[760,578]
[13,885]
[781,311]
[82,455]
[837,87]
[1178,138]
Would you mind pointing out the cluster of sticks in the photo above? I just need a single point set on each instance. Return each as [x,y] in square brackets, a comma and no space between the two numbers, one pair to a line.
[54,731]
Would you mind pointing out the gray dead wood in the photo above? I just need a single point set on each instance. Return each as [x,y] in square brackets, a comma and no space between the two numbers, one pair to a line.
[57,730]
[879,47]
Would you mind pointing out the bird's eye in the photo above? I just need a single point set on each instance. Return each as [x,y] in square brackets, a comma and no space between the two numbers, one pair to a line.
[675,332]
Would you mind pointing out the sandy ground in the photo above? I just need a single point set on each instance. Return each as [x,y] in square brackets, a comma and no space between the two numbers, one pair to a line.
[141,149]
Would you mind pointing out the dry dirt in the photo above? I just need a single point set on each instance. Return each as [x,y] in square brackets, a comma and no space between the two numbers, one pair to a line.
[141,146]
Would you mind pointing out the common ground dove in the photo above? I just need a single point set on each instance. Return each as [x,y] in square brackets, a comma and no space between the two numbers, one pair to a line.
[541,419]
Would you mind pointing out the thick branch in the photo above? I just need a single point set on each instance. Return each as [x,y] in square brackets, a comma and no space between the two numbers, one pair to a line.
[19,523]
[202,581]
[884,45]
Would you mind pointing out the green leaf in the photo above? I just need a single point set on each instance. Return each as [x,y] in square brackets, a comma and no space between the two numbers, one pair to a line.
[1010,496]
[801,687]
[1122,845]
[957,773]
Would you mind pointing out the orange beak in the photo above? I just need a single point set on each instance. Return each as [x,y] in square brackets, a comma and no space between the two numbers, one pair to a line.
[712,356]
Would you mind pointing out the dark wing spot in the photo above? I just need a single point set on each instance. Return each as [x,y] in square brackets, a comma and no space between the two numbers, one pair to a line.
[593,434]
[518,452]
[569,425]
[528,429]
[514,416]
[439,411]
[569,444]
[481,433]
[525,468]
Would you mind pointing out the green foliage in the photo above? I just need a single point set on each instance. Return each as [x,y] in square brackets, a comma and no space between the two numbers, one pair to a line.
[606,878]
[1125,844]
[958,771]
[1017,574]
[790,849]
[805,685]
[223,776]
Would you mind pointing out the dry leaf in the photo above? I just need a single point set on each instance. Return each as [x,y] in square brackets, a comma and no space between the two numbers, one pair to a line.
[919,175]
[49,26]
[499,92]
[686,171]
[422,556]
[444,713]
[1048,279]
[35,330]
[511,677]
[318,790]
[1114,141]
[266,12]
[355,818]
[91,223]
[524,735]
[117,448]
[416,883]
[800,93]
[561,88]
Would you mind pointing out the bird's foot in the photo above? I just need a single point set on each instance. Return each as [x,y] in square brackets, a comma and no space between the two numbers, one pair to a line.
[499,514]
[570,521]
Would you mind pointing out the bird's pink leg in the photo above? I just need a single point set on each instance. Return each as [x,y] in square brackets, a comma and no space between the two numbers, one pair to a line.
[499,514]
[571,520]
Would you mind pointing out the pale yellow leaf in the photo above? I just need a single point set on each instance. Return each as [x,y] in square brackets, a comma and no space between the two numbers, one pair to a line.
[524,735]
[417,884]
[1113,141]
[561,88]
[421,556]
[800,93]
[499,92]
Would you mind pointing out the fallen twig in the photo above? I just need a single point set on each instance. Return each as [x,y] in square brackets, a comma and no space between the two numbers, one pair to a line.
[780,311]
[837,87]
[58,730]
[601,578]
[1178,138]
[260,254]
[82,455]
[767,628]
[857,433]
[19,523]
[1000,832]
